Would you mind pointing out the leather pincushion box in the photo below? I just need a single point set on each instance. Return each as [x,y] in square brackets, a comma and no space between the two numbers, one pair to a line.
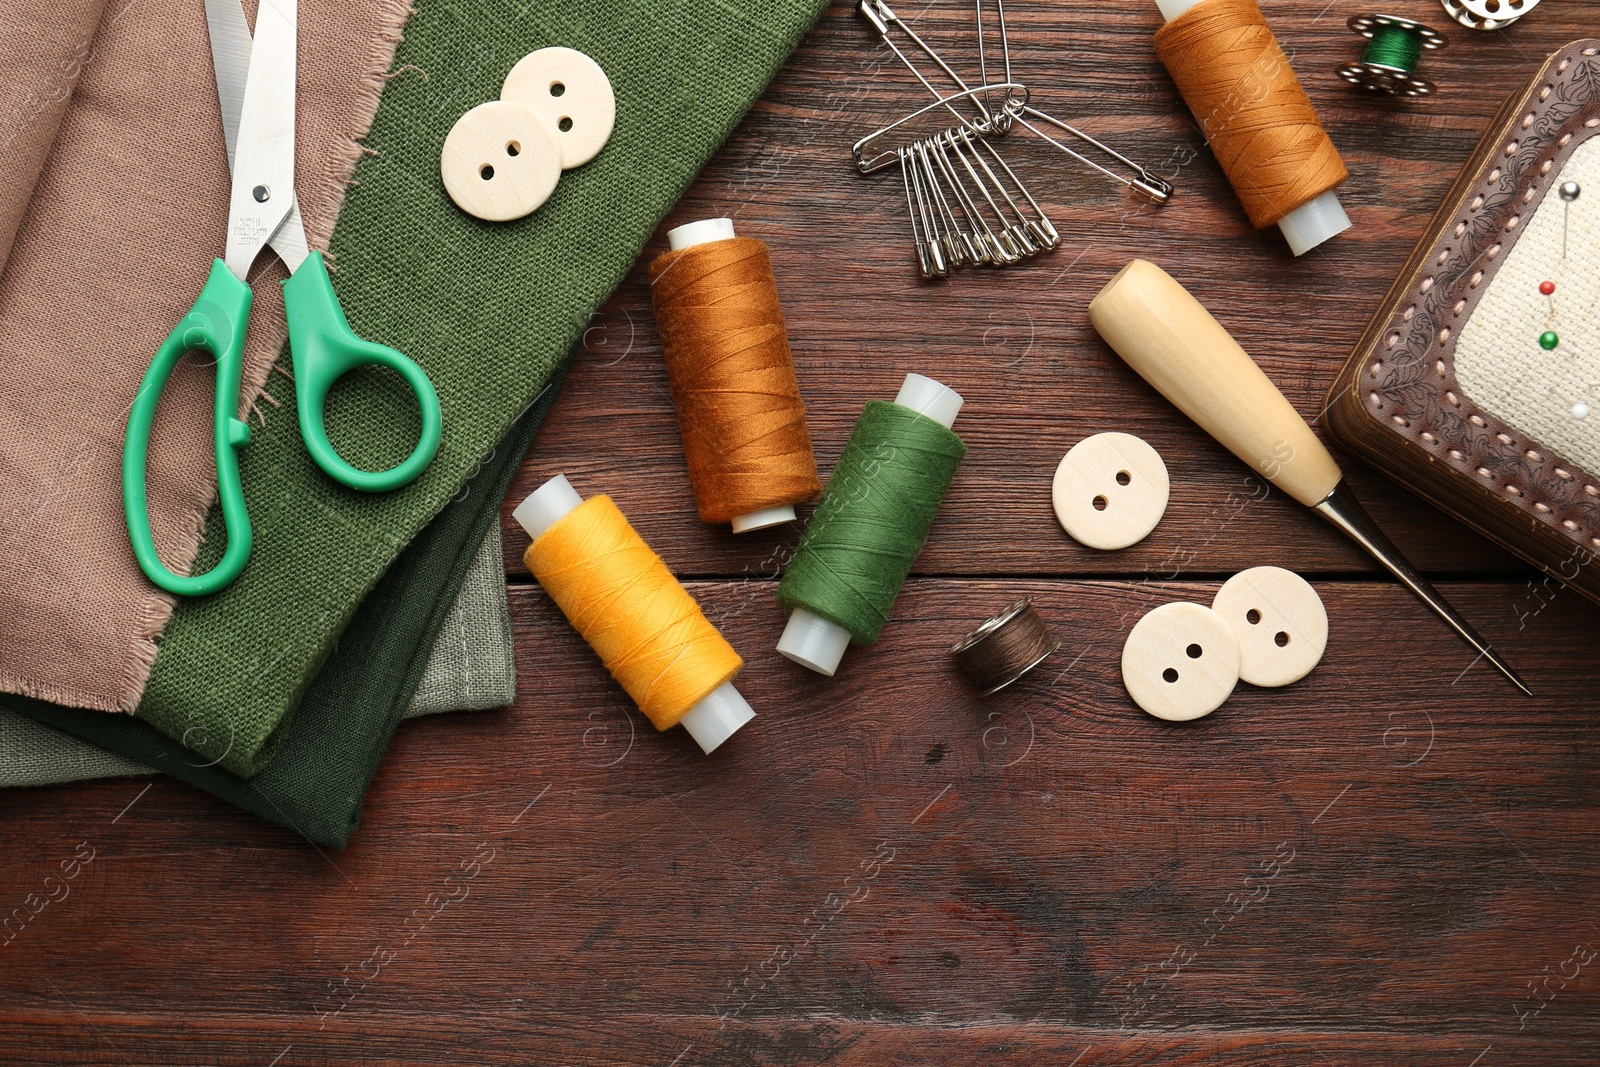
[1455,389]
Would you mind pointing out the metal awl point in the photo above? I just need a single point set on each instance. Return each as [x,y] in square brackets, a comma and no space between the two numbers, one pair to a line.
[1343,510]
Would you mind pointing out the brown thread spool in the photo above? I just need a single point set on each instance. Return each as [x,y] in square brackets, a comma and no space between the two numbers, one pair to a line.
[1005,647]
[733,382]
[1237,81]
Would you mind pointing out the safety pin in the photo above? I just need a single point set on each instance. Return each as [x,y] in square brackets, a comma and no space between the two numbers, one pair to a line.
[1157,189]
[930,254]
[1019,232]
[1005,41]
[932,170]
[883,159]
[960,248]
[1041,227]
[881,16]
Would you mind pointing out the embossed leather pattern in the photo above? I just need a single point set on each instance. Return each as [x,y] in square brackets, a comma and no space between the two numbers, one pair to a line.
[1398,404]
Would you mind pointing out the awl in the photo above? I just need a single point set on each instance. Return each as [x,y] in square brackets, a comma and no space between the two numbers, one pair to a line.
[1173,342]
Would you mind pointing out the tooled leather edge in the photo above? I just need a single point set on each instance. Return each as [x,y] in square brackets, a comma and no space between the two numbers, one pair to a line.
[1402,378]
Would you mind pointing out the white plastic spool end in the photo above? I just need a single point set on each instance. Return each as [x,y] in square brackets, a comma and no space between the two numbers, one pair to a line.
[545,505]
[814,642]
[717,717]
[1313,222]
[699,233]
[927,397]
[1171,9]
[760,520]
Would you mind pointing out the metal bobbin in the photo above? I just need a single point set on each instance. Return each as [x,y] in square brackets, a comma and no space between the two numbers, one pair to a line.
[1006,647]
[1387,65]
[1487,14]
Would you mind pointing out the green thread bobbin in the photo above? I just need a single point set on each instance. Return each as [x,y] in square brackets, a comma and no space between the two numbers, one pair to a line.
[875,514]
[1389,62]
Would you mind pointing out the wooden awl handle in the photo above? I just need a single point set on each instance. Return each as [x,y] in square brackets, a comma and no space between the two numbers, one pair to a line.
[1175,345]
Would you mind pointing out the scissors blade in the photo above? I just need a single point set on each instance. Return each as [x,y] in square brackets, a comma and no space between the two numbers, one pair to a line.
[263,165]
[230,60]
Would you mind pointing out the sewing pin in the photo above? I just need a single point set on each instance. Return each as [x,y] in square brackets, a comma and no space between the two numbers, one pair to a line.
[1569,192]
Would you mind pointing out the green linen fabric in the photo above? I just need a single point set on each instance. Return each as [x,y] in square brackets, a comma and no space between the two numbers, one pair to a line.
[471,667]
[332,747]
[488,309]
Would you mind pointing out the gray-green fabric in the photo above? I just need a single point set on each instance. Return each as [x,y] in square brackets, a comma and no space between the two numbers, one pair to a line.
[470,668]
[32,753]
[472,665]
[487,309]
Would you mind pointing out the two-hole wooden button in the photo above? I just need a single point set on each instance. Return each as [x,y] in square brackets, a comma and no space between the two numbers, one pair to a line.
[1110,490]
[572,94]
[1180,662]
[500,161]
[1280,623]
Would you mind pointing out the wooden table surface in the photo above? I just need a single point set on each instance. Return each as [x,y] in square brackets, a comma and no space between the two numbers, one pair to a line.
[1393,861]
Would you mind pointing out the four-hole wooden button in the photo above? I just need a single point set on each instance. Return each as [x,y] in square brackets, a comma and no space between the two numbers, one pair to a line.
[1110,490]
[499,162]
[571,93]
[1279,621]
[1180,662]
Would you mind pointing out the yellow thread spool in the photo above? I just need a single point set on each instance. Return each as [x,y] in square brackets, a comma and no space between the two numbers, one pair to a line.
[643,624]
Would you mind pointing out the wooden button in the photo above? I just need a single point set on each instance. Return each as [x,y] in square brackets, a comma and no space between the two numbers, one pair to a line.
[1279,621]
[572,94]
[1110,490]
[1180,661]
[499,162]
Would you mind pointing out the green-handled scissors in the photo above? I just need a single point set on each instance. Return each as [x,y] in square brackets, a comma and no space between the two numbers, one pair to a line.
[256,87]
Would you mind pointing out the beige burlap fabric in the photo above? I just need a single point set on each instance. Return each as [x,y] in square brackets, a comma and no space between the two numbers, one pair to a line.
[1498,359]
[128,210]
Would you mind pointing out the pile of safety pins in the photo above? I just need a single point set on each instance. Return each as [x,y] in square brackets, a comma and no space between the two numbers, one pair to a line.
[948,177]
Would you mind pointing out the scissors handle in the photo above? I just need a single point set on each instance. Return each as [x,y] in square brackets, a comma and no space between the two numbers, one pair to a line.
[214,325]
[324,349]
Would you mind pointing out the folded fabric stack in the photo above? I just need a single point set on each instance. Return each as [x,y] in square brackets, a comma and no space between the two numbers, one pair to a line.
[281,693]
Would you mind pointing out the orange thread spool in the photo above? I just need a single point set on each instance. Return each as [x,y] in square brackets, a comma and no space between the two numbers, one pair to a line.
[1237,81]
[739,407]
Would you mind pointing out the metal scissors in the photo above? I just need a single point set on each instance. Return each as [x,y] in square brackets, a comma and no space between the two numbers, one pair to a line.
[256,88]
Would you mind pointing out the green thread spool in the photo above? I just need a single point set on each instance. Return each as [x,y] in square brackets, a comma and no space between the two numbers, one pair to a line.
[1389,62]
[875,514]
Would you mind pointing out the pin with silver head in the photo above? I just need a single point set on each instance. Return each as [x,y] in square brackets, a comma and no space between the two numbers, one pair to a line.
[1568,191]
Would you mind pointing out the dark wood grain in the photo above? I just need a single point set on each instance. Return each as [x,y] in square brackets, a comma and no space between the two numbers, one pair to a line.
[1038,857]
[1382,864]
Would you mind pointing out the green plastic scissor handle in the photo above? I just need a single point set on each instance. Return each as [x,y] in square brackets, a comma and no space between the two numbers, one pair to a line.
[214,325]
[324,348]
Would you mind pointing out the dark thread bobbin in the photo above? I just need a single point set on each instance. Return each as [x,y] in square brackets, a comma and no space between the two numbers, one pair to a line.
[1005,647]
[1389,62]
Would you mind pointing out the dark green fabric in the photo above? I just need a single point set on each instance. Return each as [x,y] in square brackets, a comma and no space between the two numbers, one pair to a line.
[333,743]
[470,667]
[488,309]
